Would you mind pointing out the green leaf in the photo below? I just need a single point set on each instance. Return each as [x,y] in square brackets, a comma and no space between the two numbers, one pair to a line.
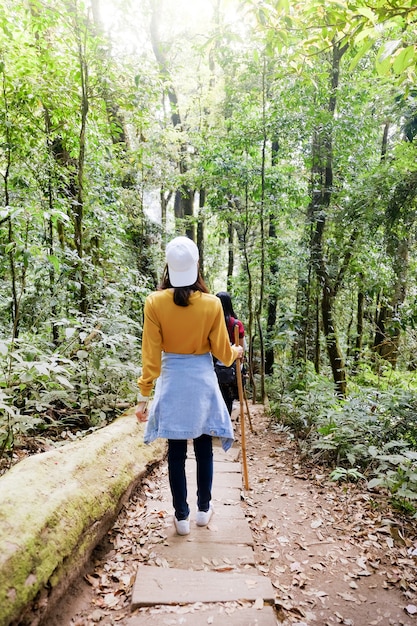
[54,261]
[384,67]
[284,5]
[361,53]
[42,368]
[375,482]
[404,59]
[69,332]
[366,33]
[395,459]
[367,12]
[351,458]
[388,49]
[64,381]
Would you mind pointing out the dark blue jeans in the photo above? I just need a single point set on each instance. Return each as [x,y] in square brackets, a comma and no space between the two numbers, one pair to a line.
[228,396]
[177,454]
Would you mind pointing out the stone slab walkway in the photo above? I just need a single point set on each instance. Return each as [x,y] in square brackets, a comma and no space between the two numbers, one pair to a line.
[209,575]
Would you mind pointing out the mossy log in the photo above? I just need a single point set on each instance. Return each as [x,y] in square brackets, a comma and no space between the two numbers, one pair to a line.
[56,506]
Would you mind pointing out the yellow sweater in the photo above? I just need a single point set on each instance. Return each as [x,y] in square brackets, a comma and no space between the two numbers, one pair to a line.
[195,329]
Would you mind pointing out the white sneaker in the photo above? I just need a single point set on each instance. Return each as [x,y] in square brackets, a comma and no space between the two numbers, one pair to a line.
[202,518]
[182,526]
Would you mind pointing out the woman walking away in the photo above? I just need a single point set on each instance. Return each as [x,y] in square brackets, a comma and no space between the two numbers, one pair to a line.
[229,390]
[183,327]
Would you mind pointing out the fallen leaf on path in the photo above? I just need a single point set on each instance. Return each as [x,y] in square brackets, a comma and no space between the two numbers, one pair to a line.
[110,600]
[259,604]
[347,596]
[317,566]
[296,567]
[263,522]
[316,523]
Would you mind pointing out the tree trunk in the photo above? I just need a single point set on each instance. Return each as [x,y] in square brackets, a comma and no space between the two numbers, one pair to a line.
[333,348]
[184,196]
[164,200]
[322,184]
[114,116]
[387,336]
[359,325]
[316,359]
[271,322]
[273,274]
[78,206]
[52,279]
[184,208]
[200,228]
[230,255]
[14,304]
[262,234]
[243,244]
[299,346]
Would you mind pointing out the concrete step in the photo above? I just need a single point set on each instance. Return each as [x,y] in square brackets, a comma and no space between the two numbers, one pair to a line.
[209,555]
[218,615]
[160,585]
[213,564]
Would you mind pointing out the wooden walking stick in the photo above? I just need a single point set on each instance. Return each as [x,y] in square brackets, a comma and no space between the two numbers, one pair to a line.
[247,409]
[242,416]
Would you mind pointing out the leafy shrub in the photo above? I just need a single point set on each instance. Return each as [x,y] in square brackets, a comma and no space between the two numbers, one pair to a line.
[350,474]
[81,385]
[372,433]
[396,470]
[295,404]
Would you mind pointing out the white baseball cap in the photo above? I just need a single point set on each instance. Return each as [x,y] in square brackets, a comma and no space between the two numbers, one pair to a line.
[182,259]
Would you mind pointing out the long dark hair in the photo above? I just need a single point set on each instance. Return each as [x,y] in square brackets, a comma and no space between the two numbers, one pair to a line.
[227,305]
[182,294]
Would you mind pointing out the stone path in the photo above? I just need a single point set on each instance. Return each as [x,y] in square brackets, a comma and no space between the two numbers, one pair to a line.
[209,575]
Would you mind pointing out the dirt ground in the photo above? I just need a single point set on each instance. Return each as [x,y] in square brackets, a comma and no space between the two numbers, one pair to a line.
[335,553]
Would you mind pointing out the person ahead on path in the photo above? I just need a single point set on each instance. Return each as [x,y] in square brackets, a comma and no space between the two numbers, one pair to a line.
[183,327]
[229,391]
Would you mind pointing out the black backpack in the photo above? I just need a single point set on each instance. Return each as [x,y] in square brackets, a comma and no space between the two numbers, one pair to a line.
[226,375]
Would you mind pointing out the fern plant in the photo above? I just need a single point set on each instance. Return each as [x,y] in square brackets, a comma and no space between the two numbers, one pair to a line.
[82,384]
[343,474]
[396,470]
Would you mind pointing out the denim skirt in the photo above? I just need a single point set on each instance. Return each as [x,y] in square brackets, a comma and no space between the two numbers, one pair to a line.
[188,402]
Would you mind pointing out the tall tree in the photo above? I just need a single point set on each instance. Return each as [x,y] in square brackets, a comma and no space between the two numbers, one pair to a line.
[184,196]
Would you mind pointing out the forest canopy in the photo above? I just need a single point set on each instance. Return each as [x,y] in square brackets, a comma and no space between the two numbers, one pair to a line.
[280,136]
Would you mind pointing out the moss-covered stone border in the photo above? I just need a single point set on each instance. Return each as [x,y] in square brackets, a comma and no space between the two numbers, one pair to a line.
[56,506]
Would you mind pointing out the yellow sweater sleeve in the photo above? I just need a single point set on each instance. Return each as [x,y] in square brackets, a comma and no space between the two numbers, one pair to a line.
[151,349]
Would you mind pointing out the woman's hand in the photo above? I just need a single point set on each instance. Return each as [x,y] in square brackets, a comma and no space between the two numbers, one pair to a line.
[141,411]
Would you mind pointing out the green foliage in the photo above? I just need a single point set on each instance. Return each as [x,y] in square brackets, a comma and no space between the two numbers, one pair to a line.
[371,435]
[396,470]
[340,474]
[252,98]
[297,395]
[82,386]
